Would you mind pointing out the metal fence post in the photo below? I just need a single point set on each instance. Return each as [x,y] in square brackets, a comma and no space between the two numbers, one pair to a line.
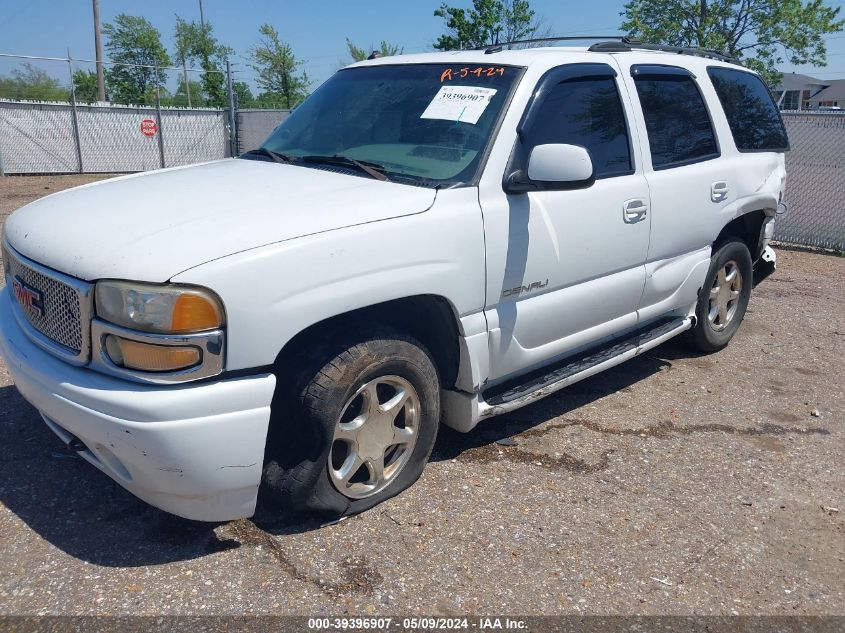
[74,114]
[2,172]
[233,129]
[158,121]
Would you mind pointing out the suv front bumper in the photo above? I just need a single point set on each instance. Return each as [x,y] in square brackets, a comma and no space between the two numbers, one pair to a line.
[193,450]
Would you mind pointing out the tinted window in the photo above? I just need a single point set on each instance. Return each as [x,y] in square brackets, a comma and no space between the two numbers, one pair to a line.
[752,114]
[425,124]
[679,127]
[585,112]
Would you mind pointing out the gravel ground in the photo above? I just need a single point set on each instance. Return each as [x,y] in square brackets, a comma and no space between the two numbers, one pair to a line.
[673,484]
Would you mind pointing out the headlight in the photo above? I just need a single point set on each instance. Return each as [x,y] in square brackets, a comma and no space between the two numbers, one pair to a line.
[163,309]
[157,332]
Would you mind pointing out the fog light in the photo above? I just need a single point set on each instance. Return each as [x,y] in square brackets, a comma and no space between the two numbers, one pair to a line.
[150,357]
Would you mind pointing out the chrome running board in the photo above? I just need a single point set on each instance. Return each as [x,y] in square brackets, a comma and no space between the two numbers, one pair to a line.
[539,385]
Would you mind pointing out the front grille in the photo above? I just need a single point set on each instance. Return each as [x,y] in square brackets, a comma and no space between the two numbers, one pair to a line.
[65,303]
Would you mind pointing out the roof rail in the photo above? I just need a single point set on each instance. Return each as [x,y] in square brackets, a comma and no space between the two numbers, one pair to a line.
[627,44]
[498,47]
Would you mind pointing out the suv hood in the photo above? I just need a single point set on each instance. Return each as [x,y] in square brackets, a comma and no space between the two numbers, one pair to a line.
[151,226]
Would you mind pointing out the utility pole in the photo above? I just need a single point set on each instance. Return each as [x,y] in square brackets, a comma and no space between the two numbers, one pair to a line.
[74,115]
[184,68]
[233,123]
[202,18]
[98,45]
[185,79]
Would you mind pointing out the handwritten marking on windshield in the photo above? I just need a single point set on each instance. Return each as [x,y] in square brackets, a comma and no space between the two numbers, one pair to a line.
[461,73]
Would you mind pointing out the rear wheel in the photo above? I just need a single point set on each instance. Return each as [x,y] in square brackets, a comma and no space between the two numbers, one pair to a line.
[359,429]
[723,298]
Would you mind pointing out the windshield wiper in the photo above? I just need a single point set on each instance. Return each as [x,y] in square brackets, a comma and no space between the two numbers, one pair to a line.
[263,151]
[372,169]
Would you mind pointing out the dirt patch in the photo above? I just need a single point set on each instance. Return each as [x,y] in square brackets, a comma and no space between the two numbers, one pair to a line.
[16,191]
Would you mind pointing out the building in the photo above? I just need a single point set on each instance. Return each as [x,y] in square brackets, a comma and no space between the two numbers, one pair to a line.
[802,92]
[831,97]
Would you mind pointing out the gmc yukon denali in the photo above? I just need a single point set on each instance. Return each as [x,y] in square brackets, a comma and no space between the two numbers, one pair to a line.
[427,239]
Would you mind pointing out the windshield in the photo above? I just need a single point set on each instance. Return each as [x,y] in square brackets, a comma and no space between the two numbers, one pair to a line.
[425,124]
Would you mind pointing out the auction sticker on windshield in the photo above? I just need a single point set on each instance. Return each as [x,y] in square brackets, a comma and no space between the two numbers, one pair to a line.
[459,103]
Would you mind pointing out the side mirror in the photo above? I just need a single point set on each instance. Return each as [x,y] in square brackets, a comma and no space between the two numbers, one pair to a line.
[554,166]
[559,163]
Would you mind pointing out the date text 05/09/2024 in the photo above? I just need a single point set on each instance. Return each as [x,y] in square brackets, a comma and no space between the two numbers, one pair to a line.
[416,624]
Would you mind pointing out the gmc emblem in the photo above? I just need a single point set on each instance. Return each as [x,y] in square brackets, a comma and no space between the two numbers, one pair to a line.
[30,299]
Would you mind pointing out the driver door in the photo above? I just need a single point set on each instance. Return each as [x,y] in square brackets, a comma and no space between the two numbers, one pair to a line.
[572,269]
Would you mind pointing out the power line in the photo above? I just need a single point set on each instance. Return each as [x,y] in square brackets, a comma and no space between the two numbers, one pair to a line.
[18,12]
[108,63]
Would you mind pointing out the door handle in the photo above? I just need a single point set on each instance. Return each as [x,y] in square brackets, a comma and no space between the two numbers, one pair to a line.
[634,210]
[719,191]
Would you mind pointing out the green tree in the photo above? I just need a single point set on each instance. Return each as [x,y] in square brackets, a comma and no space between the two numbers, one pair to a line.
[761,33]
[488,22]
[278,69]
[32,84]
[180,97]
[243,95]
[85,86]
[196,44]
[135,43]
[384,49]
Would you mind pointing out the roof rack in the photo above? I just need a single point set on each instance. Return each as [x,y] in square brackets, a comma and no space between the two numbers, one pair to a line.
[628,44]
[616,44]
[500,46]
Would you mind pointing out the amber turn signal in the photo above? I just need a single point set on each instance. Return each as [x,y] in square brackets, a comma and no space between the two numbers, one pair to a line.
[194,313]
[149,357]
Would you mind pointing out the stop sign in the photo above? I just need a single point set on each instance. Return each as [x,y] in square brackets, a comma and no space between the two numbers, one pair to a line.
[149,127]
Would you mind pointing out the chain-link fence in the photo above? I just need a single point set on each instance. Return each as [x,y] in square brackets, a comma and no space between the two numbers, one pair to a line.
[254,126]
[155,116]
[37,138]
[815,182]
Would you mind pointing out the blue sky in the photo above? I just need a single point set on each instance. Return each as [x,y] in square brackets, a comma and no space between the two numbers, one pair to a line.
[316,29]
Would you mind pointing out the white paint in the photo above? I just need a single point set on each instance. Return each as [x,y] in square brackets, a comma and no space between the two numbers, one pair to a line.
[154,225]
[530,278]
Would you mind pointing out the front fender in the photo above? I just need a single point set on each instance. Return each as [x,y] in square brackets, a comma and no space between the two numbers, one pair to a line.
[274,292]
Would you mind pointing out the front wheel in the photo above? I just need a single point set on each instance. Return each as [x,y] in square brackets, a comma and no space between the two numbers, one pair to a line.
[360,429]
[723,298]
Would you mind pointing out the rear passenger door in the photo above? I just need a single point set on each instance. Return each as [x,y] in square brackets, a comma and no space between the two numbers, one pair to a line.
[687,180]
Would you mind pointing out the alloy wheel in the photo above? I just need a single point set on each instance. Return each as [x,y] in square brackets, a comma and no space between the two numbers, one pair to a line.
[374,436]
[724,296]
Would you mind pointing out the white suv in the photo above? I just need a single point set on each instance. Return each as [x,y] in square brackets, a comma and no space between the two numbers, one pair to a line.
[427,238]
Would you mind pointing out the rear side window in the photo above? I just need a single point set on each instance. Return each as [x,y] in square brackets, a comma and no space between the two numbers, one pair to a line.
[678,124]
[751,112]
[586,111]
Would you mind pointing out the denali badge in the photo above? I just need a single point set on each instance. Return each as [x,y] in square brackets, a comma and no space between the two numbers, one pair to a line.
[31,299]
[515,292]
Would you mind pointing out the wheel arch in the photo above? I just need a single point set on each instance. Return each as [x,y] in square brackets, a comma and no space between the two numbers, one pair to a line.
[430,319]
[748,227]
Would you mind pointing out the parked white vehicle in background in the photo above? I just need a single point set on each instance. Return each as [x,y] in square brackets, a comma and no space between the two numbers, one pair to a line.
[427,238]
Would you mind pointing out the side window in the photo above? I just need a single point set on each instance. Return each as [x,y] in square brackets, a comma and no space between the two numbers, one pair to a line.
[585,111]
[676,118]
[751,112]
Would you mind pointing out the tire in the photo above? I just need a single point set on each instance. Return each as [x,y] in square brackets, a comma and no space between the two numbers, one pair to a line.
[721,304]
[333,414]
